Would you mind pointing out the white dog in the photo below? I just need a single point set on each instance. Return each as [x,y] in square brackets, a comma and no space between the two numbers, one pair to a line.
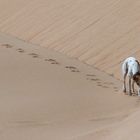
[131,68]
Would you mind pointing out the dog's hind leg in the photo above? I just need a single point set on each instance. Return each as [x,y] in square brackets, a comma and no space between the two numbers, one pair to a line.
[130,93]
[124,71]
[139,92]
[133,86]
[124,82]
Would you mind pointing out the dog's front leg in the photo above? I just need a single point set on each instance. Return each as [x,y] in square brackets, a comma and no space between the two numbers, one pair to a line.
[133,86]
[139,91]
[130,93]
[124,83]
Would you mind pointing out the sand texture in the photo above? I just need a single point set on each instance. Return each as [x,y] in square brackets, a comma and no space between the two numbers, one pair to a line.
[97,32]
[60,66]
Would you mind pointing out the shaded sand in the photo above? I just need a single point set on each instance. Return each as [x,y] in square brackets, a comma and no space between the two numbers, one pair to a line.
[41,100]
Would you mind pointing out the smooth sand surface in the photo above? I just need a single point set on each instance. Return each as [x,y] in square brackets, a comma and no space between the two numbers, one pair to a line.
[45,93]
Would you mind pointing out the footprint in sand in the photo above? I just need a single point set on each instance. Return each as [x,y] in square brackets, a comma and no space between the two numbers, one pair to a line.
[52,61]
[7,45]
[98,82]
[103,86]
[34,55]
[116,90]
[138,100]
[20,50]
[99,85]
[90,75]
[72,68]
[109,83]
[94,79]
[115,87]
[75,71]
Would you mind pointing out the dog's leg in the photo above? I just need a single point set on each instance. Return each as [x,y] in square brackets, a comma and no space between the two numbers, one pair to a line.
[124,71]
[138,91]
[133,86]
[130,93]
[124,83]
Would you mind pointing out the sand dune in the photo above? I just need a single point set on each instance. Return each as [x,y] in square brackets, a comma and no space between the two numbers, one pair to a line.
[47,95]
[96,32]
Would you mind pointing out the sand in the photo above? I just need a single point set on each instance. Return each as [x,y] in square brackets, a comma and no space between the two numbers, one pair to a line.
[46,95]
[60,69]
[99,33]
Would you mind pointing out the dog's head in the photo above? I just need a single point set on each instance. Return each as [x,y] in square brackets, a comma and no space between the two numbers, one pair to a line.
[136,78]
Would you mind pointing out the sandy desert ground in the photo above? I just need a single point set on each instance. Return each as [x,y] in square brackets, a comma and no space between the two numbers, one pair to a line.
[60,69]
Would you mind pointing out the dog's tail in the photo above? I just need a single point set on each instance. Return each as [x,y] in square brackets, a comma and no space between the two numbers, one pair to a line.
[137,62]
[124,68]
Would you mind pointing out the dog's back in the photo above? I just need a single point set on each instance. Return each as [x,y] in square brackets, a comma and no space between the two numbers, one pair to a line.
[130,66]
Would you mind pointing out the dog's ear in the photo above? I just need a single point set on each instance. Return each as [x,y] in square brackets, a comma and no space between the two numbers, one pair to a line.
[137,62]
[136,77]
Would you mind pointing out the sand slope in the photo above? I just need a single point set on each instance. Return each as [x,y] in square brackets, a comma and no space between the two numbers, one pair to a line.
[100,33]
[45,95]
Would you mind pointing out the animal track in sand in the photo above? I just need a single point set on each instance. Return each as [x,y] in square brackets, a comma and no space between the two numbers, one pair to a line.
[34,55]
[72,68]
[50,60]
[90,75]
[98,82]
[7,45]
[20,50]
[99,85]
[75,71]
[115,88]
[138,100]
[93,79]
[53,61]
[103,86]
[109,83]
